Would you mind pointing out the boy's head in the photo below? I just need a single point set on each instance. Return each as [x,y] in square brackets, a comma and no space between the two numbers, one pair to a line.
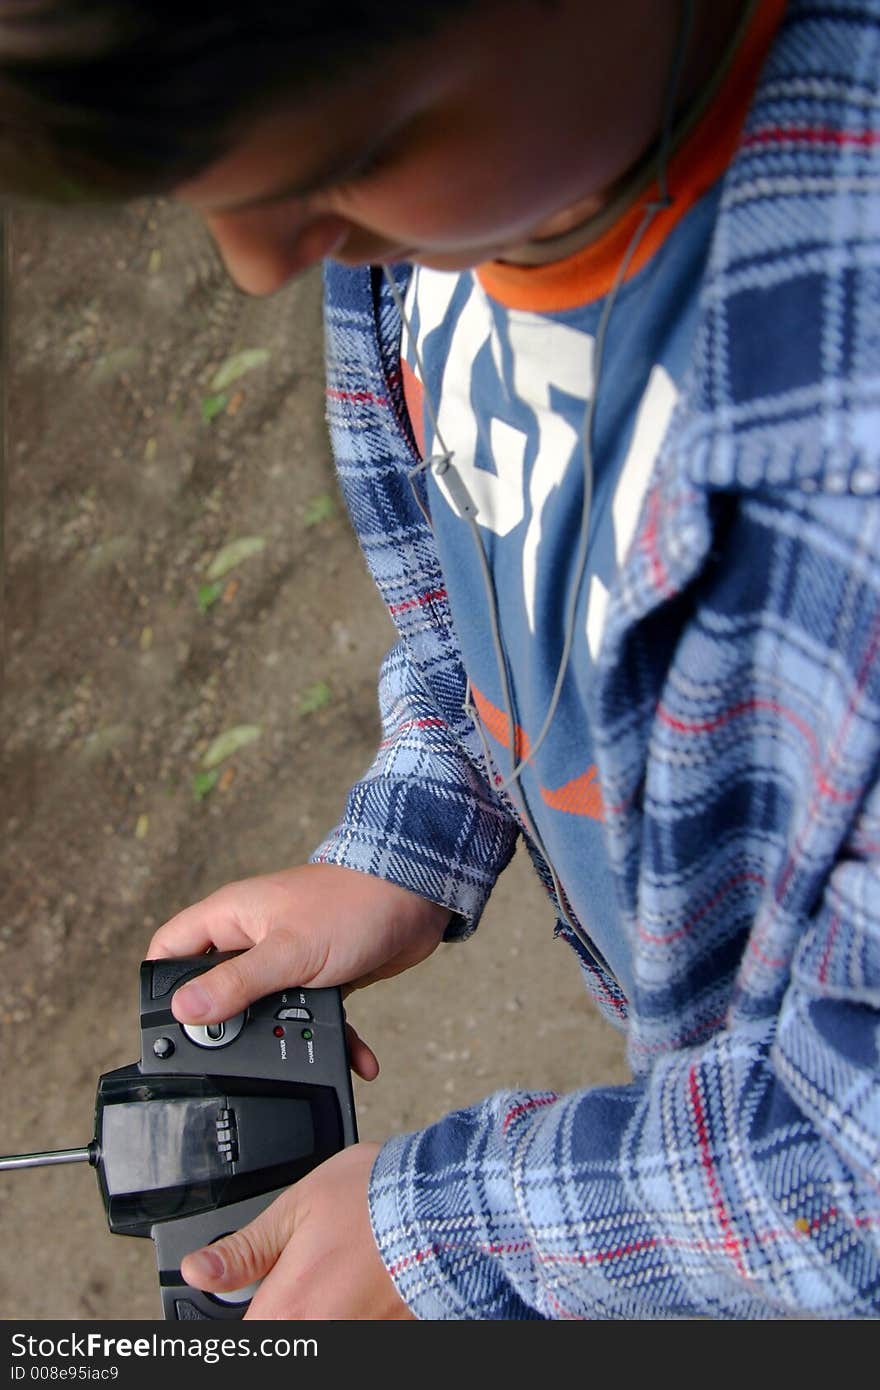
[448,132]
[127,97]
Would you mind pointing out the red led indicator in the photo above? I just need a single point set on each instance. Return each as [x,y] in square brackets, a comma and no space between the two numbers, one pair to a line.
[278,1031]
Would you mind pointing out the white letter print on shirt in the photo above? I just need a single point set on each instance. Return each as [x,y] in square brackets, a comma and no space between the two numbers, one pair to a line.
[498,496]
[652,420]
[546,355]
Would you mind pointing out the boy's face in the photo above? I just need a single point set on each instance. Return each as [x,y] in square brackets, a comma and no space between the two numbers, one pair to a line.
[448,151]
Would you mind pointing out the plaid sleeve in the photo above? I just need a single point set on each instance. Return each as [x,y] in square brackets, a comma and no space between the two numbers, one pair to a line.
[739,1182]
[420,816]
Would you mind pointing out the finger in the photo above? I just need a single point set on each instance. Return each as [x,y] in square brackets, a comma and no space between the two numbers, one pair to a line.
[244,1256]
[194,930]
[361,1056]
[281,958]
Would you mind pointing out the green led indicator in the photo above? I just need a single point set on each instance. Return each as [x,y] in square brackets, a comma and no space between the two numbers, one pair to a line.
[307,1034]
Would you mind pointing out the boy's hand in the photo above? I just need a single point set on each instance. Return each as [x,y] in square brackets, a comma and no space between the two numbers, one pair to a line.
[315,925]
[313,1248]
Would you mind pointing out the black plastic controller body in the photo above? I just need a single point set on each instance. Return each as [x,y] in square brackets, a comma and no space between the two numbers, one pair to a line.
[212,1123]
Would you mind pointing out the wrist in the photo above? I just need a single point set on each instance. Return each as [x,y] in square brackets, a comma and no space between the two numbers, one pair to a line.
[426,911]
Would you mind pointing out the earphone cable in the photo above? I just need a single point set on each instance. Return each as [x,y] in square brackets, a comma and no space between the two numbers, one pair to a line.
[442,463]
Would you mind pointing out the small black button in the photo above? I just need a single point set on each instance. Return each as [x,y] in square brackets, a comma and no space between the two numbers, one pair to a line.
[163,1047]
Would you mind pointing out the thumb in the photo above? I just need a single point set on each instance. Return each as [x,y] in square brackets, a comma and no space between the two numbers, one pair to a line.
[283,957]
[244,1256]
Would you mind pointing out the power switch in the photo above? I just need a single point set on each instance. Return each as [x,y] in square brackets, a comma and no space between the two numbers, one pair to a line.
[293,1012]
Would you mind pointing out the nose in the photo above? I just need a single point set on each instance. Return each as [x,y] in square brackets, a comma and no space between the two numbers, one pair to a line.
[265,248]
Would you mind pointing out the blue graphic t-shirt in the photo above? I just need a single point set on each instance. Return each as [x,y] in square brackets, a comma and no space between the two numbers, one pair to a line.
[509,361]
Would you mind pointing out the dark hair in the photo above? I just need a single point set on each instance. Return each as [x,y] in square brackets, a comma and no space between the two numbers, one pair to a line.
[121,98]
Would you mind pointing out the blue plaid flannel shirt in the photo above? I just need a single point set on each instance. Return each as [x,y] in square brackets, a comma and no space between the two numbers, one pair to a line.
[737,725]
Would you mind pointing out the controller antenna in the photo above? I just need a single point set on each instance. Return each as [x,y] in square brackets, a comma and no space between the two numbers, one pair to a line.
[87,1155]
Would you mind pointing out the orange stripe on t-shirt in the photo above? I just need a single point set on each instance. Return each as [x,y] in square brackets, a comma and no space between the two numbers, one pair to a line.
[414,395]
[580,796]
[498,725]
[700,161]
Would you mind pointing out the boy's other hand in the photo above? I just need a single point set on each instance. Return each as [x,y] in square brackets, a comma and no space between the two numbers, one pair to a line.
[313,1249]
[311,926]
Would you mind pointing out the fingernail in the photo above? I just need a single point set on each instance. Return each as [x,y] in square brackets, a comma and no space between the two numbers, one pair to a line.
[203,1264]
[193,999]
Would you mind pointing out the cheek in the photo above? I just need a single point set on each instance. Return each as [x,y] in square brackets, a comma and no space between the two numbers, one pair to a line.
[481,197]
[437,212]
